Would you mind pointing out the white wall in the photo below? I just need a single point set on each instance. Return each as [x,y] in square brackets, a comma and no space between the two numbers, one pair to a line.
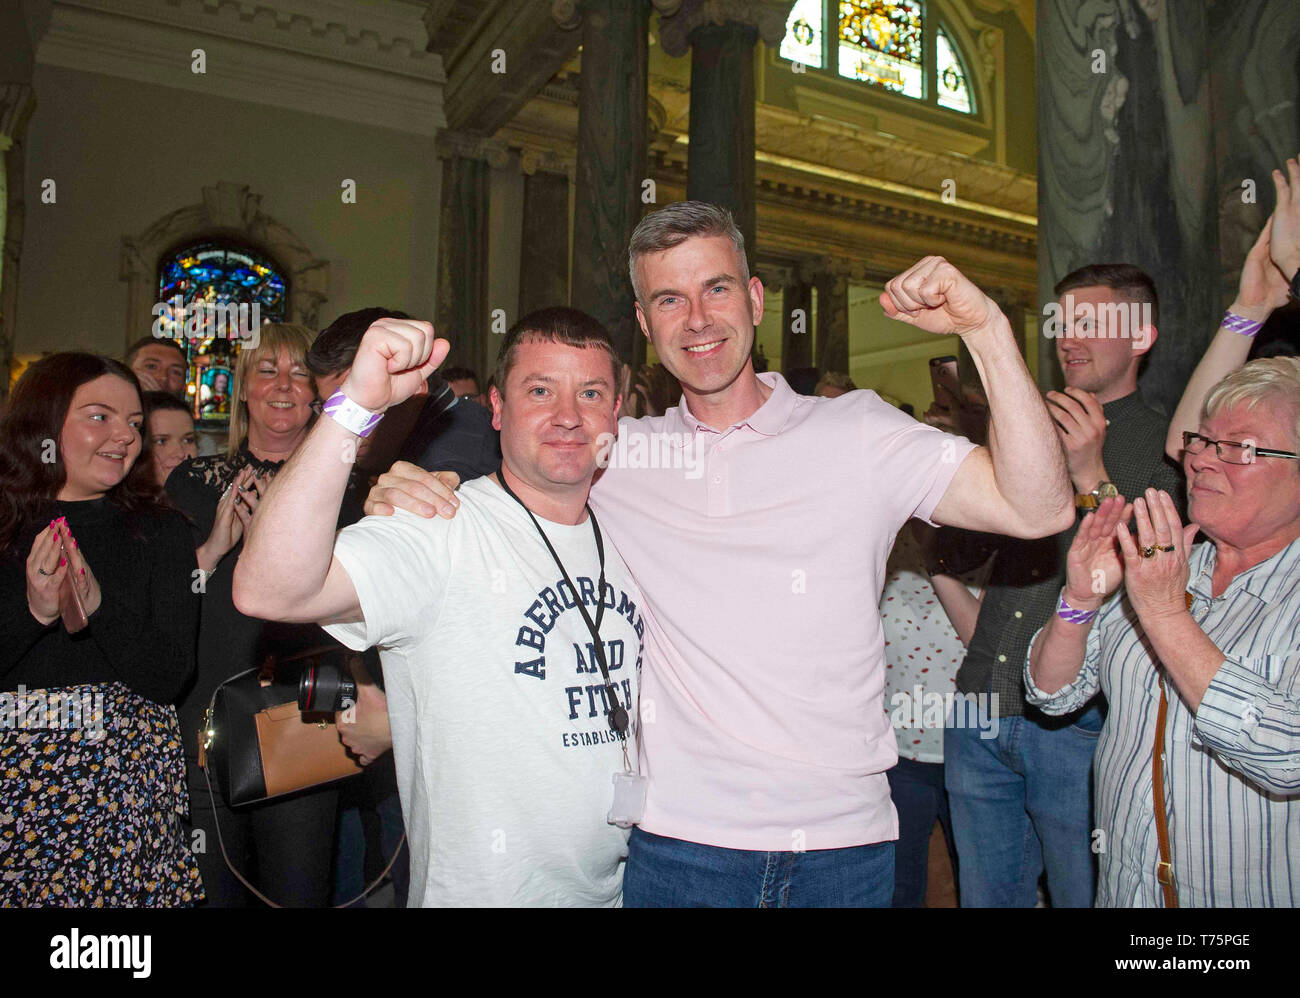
[123,154]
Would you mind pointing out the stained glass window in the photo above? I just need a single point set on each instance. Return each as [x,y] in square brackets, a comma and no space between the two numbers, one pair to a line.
[803,34]
[880,43]
[953,91]
[889,45]
[212,297]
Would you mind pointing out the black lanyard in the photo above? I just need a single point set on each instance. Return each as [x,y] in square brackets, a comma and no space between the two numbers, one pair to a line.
[617,715]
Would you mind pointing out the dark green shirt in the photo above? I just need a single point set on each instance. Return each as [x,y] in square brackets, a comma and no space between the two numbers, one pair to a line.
[1028,574]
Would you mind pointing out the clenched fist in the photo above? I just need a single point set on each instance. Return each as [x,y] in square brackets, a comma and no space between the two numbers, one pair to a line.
[395,358]
[935,296]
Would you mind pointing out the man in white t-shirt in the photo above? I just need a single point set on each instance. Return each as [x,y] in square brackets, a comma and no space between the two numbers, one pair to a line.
[758,523]
[510,718]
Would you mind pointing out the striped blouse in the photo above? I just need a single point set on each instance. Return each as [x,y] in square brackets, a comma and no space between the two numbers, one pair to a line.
[1232,773]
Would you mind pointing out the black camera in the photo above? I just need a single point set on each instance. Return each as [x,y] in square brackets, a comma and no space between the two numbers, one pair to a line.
[324,688]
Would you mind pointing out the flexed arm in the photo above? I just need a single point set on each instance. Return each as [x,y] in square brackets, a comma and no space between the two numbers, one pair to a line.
[287,570]
[1017,486]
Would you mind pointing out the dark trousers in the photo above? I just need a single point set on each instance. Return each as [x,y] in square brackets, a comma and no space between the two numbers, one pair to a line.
[283,847]
[920,799]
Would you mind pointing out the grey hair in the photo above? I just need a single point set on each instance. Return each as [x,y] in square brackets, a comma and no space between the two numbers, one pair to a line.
[1268,379]
[673,224]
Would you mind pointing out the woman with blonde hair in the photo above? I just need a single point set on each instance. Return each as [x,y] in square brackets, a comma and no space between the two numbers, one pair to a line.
[289,841]
[1196,774]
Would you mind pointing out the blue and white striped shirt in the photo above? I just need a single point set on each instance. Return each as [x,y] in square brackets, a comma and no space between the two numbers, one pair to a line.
[1232,772]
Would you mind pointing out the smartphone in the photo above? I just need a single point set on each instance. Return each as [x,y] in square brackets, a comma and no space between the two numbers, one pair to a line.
[71,609]
[943,375]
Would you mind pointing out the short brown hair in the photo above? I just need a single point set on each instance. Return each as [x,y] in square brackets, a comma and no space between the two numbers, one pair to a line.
[1127,281]
[673,224]
[557,324]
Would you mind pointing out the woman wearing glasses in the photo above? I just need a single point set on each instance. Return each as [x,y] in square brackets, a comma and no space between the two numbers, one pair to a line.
[1198,766]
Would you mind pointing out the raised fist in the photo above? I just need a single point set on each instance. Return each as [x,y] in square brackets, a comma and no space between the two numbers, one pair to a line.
[395,358]
[935,296]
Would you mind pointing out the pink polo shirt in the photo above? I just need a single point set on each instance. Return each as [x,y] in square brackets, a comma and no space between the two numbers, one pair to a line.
[760,551]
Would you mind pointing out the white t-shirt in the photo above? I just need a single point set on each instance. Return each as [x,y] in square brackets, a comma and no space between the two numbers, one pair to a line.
[503,750]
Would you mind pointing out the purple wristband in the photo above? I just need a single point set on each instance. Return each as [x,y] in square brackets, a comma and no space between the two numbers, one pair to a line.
[1240,324]
[1072,616]
[350,415]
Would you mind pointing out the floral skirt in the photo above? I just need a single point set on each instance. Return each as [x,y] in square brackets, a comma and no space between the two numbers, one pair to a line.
[92,792]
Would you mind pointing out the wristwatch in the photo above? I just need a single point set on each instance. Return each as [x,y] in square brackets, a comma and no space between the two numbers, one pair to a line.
[1093,499]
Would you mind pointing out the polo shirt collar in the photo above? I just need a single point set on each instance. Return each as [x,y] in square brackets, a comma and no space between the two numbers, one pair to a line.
[769,419]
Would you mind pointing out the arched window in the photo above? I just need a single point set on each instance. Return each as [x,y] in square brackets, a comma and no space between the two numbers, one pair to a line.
[893,46]
[212,297]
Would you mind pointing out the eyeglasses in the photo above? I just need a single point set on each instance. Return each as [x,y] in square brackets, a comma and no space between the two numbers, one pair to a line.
[1232,451]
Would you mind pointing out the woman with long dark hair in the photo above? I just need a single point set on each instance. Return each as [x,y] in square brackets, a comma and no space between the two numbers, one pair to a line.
[97,636]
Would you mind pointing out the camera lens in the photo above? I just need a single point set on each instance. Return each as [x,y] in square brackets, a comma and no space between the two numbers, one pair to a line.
[325,689]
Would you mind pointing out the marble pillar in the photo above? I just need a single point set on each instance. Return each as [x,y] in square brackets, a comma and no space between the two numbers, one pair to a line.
[461,313]
[611,164]
[832,319]
[796,323]
[17,103]
[1152,117]
[544,248]
[720,36]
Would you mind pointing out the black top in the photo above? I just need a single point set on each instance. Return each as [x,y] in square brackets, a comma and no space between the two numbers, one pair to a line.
[452,434]
[1028,574]
[142,634]
[229,642]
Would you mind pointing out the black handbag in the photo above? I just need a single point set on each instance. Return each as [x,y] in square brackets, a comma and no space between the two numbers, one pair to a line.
[257,745]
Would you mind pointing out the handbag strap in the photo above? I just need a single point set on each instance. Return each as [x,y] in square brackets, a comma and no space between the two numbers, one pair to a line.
[216,821]
[221,842]
[1164,869]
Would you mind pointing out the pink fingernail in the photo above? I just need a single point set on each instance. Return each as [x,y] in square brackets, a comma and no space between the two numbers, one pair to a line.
[62,562]
[83,571]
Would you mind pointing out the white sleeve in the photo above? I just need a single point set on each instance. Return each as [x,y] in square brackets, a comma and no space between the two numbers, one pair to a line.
[399,566]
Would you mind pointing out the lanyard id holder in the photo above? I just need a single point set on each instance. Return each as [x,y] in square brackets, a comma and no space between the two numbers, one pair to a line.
[629,800]
[629,787]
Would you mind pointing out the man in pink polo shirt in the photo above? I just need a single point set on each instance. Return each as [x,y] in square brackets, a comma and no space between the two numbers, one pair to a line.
[757,523]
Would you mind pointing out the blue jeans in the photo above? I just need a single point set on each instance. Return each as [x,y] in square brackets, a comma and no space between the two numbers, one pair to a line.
[670,873]
[1022,802]
[919,797]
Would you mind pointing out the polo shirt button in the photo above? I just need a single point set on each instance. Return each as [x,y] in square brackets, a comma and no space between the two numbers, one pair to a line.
[1019,614]
[717,479]
[1002,658]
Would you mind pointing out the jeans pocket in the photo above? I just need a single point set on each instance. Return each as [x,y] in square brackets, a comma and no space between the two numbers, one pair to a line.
[1089,723]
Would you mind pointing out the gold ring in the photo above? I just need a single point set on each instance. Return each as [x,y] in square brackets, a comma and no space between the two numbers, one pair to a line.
[1149,551]
[1165,547]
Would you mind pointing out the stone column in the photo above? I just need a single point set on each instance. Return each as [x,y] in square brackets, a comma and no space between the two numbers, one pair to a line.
[1158,125]
[721,35]
[796,321]
[544,248]
[832,319]
[611,163]
[461,311]
[17,102]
